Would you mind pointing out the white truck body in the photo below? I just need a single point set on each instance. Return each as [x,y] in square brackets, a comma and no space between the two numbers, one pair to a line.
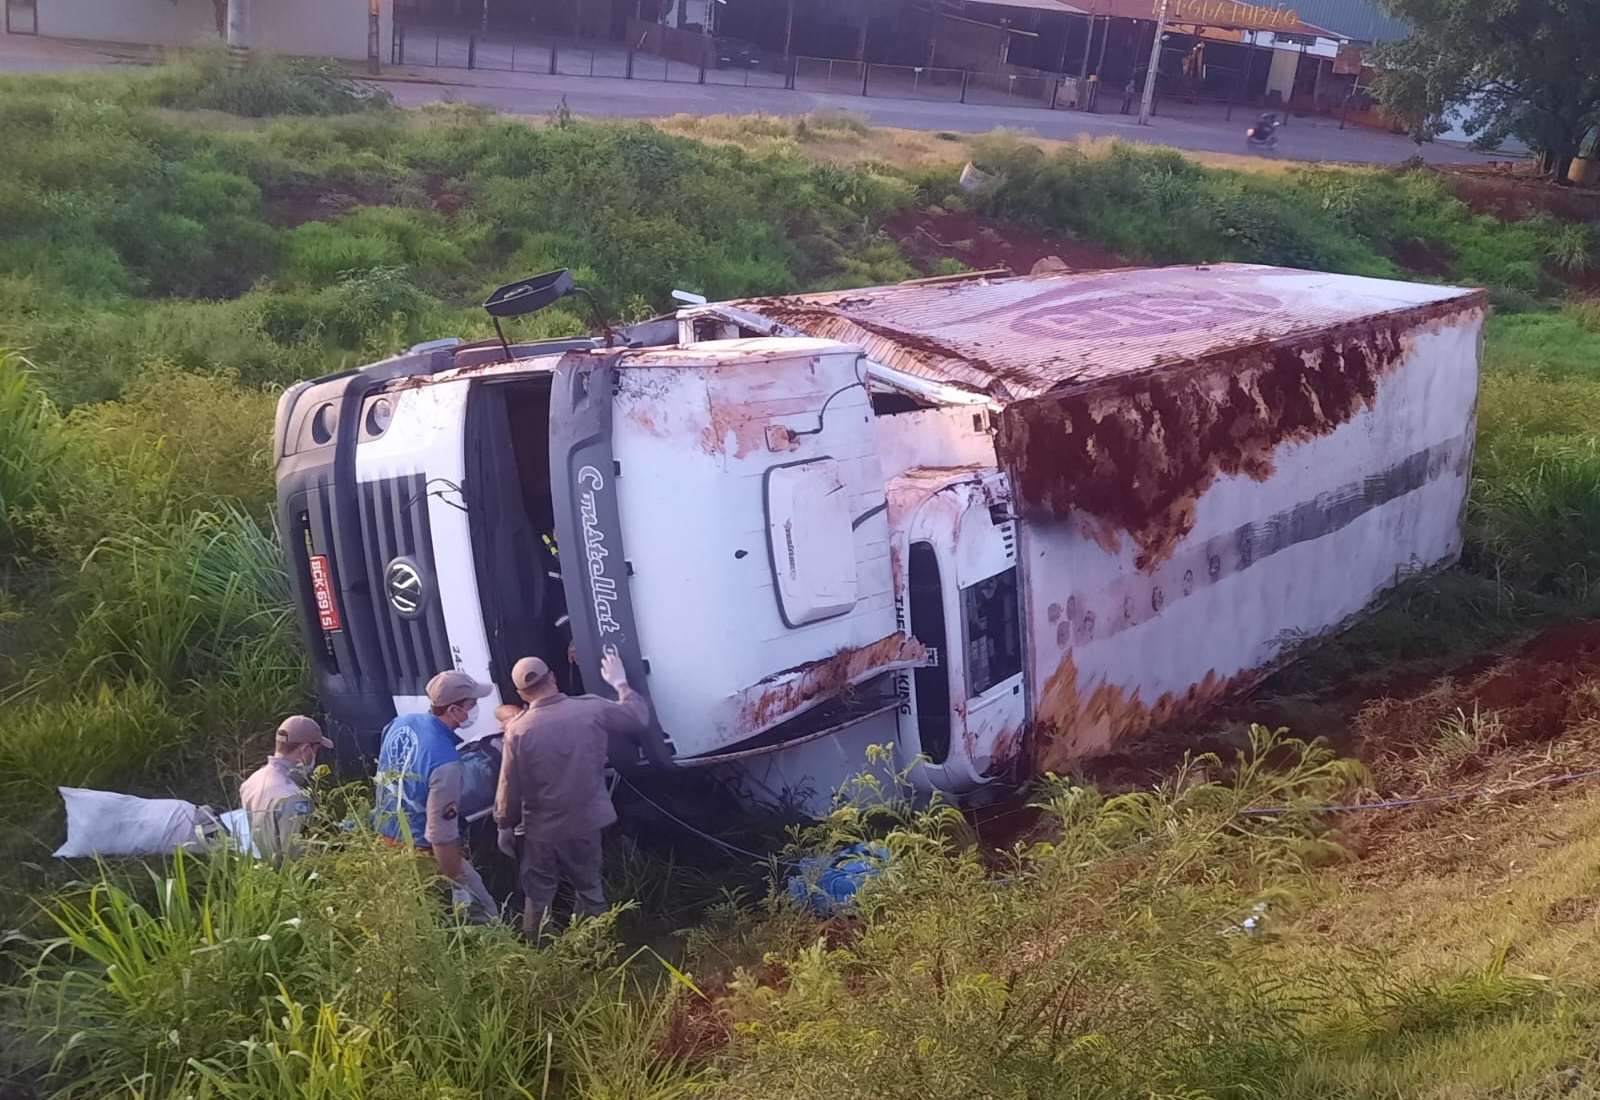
[996,524]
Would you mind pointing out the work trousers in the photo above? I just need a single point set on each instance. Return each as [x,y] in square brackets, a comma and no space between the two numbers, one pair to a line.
[545,863]
[472,894]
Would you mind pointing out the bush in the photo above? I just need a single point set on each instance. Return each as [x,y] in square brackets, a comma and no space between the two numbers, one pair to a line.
[321,254]
[259,86]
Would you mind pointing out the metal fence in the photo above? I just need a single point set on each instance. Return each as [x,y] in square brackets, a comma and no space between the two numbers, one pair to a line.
[1201,107]
[915,82]
[650,66]
[498,51]
[767,73]
[1010,90]
[825,74]
[464,48]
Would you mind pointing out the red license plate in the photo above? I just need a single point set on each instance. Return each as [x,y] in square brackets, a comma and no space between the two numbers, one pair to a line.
[322,588]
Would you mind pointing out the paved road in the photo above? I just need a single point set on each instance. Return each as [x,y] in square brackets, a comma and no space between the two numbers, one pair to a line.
[609,97]
[525,93]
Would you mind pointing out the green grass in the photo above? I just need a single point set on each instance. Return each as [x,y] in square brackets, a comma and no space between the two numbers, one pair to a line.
[340,976]
[176,245]
[1160,205]
[1106,962]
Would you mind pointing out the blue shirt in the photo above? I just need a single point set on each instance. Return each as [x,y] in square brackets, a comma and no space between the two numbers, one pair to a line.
[418,759]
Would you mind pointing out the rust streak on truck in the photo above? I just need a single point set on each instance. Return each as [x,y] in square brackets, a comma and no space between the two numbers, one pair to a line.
[1136,454]
[1070,724]
[794,689]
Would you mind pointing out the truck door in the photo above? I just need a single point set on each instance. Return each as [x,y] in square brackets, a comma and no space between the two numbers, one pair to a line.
[965,604]
[991,705]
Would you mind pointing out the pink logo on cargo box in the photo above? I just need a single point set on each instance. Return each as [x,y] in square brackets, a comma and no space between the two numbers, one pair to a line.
[1076,311]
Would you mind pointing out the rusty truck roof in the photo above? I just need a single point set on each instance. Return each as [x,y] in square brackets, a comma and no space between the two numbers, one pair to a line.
[1020,337]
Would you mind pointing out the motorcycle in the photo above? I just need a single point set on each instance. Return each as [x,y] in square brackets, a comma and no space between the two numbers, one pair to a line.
[1263,135]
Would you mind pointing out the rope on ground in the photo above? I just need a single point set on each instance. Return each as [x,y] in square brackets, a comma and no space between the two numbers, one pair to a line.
[701,833]
[1404,803]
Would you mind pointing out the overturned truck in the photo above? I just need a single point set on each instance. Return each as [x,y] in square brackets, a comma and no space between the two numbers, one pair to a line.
[998,524]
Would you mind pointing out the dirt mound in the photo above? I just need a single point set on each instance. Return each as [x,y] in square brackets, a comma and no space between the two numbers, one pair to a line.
[1499,190]
[297,201]
[1422,257]
[1532,696]
[929,235]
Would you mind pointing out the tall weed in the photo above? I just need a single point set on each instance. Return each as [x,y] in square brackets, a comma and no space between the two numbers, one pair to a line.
[109,735]
[340,975]
[1095,963]
[31,449]
[181,604]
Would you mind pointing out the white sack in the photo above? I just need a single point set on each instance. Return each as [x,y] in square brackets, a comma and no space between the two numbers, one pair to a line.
[107,824]
[237,825]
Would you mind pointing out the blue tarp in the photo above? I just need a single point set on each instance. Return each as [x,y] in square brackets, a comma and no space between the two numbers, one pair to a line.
[827,883]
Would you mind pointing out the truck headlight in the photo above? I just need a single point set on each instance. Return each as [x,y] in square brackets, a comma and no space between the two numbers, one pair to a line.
[380,414]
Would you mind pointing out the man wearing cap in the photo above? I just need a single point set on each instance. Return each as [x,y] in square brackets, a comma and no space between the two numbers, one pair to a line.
[552,783]
[274,797]
[419,783]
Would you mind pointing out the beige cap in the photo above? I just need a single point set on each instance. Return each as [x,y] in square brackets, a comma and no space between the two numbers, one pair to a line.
[455,686]
[528,672]
[297,729]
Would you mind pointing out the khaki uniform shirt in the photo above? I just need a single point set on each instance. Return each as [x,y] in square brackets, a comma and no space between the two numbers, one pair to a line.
[278,807]
[553,766]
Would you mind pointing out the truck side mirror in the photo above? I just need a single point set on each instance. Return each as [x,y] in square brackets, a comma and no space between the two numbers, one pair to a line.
[531,295]
[527,296]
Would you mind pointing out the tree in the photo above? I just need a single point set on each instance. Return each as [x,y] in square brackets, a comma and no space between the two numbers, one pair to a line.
[1517,68]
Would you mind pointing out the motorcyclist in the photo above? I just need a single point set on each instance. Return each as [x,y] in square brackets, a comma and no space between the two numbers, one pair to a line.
[1266,126]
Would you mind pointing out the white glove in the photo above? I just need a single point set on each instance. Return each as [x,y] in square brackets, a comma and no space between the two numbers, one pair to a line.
[613,672]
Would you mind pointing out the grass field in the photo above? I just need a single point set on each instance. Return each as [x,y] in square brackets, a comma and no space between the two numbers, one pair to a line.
[177,246]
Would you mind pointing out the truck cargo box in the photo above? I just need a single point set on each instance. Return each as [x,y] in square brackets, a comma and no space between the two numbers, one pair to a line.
[1209,465]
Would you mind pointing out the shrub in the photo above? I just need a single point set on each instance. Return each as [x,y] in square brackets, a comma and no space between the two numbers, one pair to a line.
[258,87]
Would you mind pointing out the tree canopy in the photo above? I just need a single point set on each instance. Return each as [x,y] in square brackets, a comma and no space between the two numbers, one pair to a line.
[1516,68]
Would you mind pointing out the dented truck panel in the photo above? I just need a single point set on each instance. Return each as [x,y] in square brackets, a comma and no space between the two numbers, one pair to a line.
[962,713]
[1019,338]
[699,430]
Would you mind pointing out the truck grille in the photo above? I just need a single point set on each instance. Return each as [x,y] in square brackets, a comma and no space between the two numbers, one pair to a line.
[394,526]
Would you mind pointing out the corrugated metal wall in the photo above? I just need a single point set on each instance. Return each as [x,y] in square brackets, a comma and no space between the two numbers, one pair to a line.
[1361,20]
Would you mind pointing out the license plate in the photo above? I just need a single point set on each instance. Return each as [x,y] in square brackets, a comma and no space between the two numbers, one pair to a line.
[322,589]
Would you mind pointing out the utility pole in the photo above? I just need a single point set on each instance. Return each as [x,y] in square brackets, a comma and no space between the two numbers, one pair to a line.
[375,38]
[1147,104]
[238,36]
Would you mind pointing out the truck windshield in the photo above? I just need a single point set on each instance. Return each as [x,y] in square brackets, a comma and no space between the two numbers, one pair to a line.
[512,521]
